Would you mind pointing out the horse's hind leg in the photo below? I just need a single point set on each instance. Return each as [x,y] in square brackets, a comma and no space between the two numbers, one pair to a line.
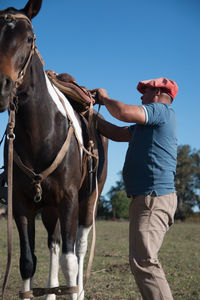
[81,249]
[51,223]
[86,212]
[26,229]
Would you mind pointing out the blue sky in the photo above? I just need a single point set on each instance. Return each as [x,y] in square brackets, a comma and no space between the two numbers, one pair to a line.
[114,44]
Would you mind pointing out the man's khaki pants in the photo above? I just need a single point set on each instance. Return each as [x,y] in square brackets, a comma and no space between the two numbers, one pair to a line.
[150,218]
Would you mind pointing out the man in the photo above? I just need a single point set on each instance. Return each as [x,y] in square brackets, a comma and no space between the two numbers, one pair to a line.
[148,174]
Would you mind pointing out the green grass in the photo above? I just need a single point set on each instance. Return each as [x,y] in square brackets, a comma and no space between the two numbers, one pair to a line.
[111,277]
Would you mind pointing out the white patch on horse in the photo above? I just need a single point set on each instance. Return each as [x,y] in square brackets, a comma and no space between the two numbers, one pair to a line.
[69,265]
[81,248]
[53,270]
[54,92]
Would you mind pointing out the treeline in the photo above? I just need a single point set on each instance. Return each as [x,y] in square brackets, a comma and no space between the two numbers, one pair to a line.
[187,182]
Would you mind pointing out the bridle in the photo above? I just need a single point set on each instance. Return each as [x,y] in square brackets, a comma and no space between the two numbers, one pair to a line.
[9,18]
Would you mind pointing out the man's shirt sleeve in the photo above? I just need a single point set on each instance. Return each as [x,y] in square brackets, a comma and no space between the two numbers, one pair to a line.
[155,113]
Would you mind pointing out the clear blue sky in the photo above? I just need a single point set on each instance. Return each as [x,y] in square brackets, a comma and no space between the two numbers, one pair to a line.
[114,44]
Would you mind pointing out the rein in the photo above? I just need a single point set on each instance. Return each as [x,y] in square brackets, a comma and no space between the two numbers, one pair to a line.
[10,137]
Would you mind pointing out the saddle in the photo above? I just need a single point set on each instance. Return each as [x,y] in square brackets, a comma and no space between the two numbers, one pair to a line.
[80,95]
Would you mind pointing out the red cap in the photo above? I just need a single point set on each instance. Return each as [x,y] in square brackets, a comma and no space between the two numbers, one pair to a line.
[168,85]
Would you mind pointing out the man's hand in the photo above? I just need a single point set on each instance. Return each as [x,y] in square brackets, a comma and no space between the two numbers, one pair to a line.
[102,95]
[99,95]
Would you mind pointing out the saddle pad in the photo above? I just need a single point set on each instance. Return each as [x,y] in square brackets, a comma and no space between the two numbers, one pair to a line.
[54,92]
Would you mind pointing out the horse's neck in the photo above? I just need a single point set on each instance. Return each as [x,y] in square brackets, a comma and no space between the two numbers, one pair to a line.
[37,123]
[35,107]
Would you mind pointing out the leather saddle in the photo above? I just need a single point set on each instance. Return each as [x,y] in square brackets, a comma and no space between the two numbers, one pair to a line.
[79,94]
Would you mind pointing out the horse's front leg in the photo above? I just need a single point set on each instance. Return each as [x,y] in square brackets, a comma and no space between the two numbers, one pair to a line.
[26,229]
[81,249]
[68,222]
[51,223]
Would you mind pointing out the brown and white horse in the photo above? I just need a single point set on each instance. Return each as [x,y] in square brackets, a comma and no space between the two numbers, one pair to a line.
[41,130]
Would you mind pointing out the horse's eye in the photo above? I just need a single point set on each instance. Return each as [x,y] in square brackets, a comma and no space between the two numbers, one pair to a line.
[30,39]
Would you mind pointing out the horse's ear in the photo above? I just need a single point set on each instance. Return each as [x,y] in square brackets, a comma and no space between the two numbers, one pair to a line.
[32,8]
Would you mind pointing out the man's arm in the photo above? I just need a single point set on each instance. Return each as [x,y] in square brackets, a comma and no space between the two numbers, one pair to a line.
[113,132]
[121,111]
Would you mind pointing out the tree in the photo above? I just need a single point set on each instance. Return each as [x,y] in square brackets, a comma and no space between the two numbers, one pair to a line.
[196,157]
[118,199]
[120,204]
[187,180]
[103,208]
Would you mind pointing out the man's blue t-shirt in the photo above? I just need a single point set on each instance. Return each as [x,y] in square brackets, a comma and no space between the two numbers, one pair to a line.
[150,163]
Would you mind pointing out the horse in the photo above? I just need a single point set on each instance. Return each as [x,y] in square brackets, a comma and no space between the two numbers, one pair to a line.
[65,200]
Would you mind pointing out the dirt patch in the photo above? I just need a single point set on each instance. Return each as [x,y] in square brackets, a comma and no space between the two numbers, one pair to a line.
[122,268]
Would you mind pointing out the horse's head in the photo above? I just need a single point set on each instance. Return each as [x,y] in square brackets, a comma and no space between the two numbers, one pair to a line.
[16,45]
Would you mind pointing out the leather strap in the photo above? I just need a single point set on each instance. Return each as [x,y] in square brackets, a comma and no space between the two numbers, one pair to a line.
[60,290]
[11,138]
[37,178]
[26,295]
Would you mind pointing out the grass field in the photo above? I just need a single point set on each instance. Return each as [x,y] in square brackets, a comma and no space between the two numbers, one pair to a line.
[110,277]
